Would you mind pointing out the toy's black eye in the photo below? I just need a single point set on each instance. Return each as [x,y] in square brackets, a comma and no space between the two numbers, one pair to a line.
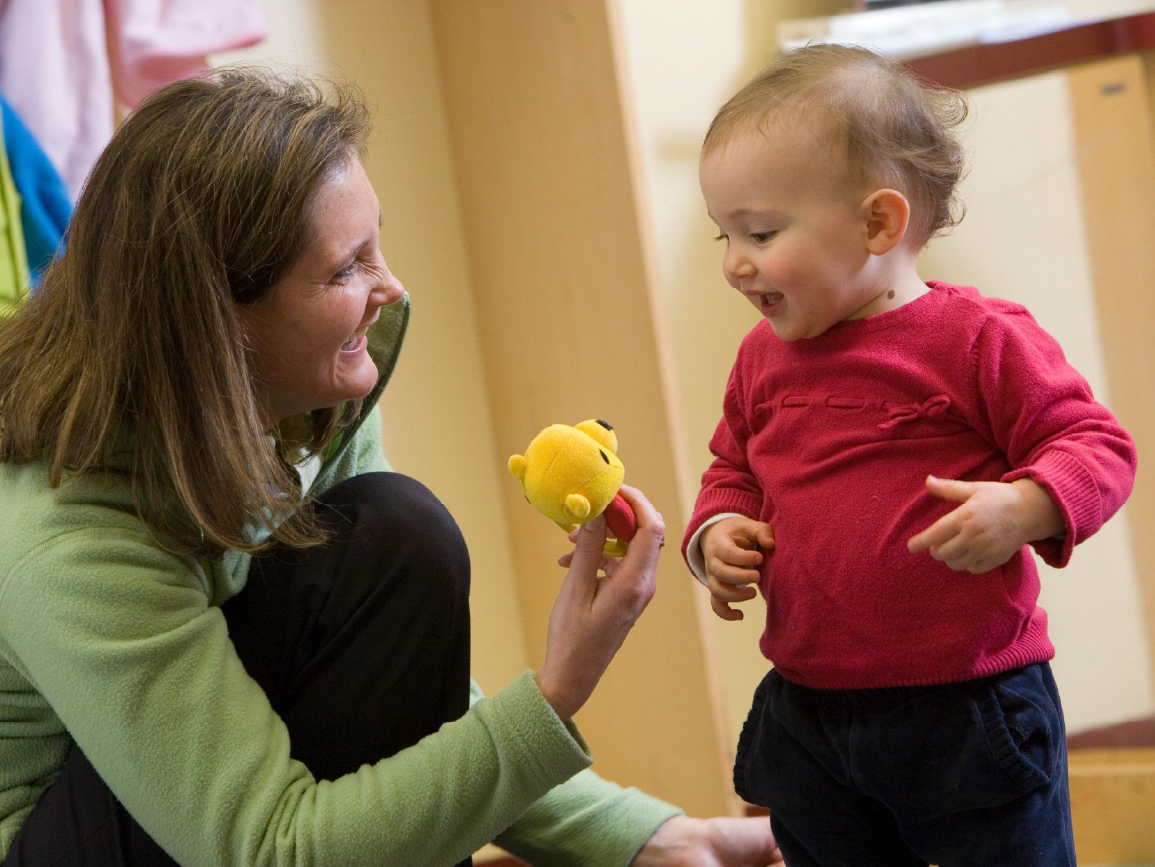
[603,454]
[605,424]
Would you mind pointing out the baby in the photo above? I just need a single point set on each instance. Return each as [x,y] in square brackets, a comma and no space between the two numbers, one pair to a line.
[887,449]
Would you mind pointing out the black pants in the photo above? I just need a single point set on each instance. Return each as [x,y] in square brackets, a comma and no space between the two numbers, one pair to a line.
[970,774]
[362,646]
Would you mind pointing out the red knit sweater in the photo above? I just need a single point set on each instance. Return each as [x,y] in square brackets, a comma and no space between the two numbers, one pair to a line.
[830,440]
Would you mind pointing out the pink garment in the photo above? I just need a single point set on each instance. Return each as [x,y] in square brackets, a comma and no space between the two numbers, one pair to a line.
[62,60]
[830,440]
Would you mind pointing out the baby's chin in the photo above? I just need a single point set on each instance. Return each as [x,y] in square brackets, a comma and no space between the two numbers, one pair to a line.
[786,332]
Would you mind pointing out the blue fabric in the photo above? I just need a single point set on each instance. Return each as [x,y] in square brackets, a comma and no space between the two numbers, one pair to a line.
[959,775]
[45,208]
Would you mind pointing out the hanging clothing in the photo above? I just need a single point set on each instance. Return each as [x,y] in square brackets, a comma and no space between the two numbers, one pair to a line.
[13,259]
[61,61]
[44,205]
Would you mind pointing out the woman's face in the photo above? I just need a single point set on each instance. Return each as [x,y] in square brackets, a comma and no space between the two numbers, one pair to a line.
[306,337]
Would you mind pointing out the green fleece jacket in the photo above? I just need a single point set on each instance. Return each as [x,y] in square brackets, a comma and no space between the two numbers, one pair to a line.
[110,641]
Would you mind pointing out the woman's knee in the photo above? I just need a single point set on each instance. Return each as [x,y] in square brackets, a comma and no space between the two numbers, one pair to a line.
[395,521]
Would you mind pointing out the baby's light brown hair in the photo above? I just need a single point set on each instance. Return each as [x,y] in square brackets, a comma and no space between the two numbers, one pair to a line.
[896,131]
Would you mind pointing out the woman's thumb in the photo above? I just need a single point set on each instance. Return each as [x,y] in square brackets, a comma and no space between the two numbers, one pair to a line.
[591,538]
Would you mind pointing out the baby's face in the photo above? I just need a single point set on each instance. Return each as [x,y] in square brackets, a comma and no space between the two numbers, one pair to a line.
[794,228]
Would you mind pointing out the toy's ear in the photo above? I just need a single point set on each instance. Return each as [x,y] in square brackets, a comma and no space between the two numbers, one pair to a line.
[578,504]
[601,432]
[517,465]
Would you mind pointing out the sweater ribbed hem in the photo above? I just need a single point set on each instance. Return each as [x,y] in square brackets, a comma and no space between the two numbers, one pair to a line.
[1032,647]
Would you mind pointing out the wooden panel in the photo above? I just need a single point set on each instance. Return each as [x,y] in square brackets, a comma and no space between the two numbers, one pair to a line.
[546,175]
[1115,149]
[1112,803]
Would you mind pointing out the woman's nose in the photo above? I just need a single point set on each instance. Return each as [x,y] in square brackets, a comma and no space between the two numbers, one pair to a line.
[388,289]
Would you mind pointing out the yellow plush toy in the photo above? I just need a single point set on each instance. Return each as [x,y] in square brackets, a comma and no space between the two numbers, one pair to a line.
[572,474]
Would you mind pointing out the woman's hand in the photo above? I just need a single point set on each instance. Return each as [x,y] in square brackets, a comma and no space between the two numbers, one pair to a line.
[721,842]
[592,615]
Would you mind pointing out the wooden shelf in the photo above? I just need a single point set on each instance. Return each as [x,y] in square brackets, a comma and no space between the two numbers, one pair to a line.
[975,65]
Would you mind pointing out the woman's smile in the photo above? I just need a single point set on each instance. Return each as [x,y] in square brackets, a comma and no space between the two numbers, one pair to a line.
[308,336]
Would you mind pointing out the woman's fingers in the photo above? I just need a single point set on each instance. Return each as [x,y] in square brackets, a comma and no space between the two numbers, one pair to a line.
[591,536]
[592,617]
[651,525]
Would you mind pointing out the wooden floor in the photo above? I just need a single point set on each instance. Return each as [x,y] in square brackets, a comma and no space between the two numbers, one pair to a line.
[1113,804]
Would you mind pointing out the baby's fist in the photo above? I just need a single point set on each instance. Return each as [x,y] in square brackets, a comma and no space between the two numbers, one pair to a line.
[732,552]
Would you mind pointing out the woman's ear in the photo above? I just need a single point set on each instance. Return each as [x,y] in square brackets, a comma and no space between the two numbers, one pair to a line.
[887,216]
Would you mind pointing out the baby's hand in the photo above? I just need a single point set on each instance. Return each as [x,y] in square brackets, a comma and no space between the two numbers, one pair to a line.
[730,551]
[994,521]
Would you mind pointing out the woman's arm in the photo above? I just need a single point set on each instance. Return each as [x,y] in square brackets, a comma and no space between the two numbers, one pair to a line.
[118,637]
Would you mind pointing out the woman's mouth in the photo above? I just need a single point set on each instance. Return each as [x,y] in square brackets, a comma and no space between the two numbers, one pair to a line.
[354,344]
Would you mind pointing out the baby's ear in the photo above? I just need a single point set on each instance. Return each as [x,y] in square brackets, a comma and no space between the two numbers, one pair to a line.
[887,216]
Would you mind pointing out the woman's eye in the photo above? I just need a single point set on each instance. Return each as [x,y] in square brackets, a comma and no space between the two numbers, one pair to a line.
[345,273]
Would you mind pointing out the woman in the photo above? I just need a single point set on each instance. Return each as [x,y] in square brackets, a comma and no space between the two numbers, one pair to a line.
[228,634]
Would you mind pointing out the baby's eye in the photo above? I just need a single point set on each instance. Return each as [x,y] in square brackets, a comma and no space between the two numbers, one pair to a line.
[761,237]
[721,237]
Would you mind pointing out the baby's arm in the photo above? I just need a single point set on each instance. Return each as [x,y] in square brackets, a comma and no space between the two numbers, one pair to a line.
[721,543]
[731,556]
[1072,465]
[994,520]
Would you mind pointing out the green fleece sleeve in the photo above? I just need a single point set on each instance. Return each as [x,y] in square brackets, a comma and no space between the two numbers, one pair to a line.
[584,822]
[118,637]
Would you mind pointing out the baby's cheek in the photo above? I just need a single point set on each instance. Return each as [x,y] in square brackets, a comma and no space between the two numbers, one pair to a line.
[789,270]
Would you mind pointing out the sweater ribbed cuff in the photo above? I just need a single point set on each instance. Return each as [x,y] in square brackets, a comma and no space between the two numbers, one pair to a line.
[715,501]
[1074,491]
[695,559]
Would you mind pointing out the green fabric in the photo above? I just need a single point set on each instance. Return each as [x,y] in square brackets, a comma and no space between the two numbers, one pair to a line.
[107,639]
[13,257]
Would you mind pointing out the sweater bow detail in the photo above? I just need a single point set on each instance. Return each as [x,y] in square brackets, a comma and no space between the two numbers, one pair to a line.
[904,412]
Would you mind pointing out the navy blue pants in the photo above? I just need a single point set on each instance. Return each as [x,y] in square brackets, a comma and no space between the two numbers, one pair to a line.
[362,646]
[969,774]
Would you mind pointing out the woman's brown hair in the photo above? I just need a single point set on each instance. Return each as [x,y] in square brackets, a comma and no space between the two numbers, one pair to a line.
[892,128]
[130,355]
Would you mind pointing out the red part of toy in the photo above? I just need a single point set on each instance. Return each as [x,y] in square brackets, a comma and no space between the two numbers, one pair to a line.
[620,519]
